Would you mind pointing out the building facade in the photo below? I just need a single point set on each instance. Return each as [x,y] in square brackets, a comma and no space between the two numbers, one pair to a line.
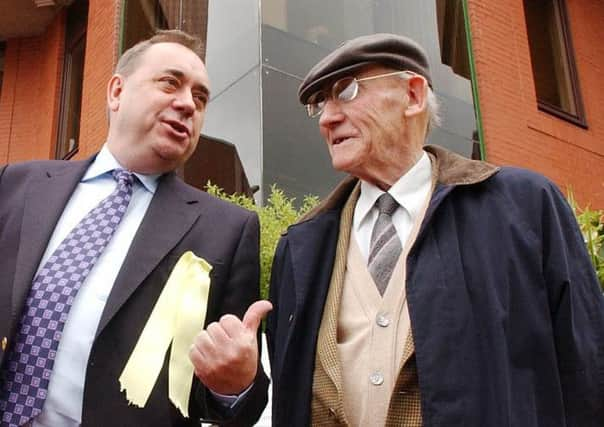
[519,81]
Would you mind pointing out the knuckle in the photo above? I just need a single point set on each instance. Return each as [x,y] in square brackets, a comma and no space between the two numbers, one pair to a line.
[213,328]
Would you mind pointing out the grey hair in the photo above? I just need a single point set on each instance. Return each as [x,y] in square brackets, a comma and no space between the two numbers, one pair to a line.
[130,58]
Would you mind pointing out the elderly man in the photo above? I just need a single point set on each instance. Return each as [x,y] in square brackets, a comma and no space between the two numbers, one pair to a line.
[88,303]
[427,289]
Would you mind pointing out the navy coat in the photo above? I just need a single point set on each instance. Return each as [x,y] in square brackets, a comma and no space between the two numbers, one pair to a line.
[506,311]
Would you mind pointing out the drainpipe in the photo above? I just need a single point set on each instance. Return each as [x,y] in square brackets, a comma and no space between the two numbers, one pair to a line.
[122,12]
[474,80]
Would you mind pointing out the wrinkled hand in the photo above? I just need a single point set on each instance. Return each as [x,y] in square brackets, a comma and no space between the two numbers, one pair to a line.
[225,355]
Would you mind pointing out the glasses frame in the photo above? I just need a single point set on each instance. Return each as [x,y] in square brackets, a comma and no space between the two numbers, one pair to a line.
[314,109]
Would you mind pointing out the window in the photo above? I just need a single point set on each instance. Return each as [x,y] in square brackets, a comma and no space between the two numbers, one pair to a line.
[143,17]
[452,36]
[552,58]
[73,75]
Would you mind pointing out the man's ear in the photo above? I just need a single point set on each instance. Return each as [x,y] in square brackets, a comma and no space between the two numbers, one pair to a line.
[114,91]
[417,93]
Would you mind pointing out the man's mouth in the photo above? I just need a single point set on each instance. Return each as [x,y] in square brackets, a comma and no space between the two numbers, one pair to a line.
[178,127]
[339,140]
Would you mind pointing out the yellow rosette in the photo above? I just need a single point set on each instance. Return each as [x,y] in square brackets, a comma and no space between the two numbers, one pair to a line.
[177,318]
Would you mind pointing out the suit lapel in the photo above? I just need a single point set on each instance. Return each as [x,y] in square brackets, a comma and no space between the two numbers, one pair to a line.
[171,214]
[45,199]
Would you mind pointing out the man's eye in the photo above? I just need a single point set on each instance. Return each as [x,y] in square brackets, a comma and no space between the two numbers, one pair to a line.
[200,99]
[169,82]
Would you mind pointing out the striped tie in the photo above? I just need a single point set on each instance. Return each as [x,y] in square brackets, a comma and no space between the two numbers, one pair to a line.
[385,247]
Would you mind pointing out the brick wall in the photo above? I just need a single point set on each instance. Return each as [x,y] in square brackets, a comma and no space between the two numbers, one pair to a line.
[102,42]
[28,105]
[516,132]
[30,100]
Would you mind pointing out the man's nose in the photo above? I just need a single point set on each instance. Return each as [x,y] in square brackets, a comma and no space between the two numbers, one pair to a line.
[332,113]
[184,102]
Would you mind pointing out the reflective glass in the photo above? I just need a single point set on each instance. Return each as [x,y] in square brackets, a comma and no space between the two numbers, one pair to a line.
[297,34]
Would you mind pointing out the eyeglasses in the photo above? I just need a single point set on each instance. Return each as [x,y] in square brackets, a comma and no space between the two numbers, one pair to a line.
[345,90]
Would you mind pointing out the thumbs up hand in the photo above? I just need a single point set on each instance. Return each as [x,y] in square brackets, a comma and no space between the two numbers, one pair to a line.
[225,355]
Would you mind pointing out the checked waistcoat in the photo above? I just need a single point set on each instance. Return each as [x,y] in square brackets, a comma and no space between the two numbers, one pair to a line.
[28,366]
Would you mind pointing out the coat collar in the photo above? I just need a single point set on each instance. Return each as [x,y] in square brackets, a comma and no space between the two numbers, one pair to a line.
[449,169]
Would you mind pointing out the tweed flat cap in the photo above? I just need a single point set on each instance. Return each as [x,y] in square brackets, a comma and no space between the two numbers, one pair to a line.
[391,50]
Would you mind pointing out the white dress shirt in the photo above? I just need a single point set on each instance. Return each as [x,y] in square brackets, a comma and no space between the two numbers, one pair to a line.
[410,191]
[63,406]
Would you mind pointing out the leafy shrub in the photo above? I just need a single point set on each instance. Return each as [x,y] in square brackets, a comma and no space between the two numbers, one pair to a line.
[591,223]
[275,216]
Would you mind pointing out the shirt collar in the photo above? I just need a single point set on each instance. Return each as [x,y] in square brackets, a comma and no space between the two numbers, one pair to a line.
[409,191]
[105,162]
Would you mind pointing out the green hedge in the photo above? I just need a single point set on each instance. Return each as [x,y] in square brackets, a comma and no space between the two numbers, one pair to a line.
[591,223]
[275,216]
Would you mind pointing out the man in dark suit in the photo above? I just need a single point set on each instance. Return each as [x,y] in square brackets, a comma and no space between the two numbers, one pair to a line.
[428,289]
[156,100]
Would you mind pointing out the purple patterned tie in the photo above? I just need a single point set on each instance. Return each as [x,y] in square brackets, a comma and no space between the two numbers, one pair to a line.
[26,375]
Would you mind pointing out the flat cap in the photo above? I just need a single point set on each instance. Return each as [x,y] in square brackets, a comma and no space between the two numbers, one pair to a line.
[391,50]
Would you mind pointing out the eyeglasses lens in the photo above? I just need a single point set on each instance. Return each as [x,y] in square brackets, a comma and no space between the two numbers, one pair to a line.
[345,89]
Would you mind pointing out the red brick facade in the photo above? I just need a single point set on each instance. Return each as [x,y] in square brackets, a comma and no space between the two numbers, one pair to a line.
[102,49]
[516,132]
[31,89]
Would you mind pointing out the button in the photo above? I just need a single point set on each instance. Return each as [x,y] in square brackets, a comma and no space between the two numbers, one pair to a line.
[376,378]
[382,320]
[291,317]
[4,343]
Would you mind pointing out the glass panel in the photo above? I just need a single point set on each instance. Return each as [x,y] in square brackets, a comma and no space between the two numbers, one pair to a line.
[296,35]
[295,156]
[233,63]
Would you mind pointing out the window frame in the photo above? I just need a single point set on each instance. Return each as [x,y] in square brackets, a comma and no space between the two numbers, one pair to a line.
[72,41]
[569,56]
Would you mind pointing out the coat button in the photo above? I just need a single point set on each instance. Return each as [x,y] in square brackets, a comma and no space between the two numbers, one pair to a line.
[382,320]
[376,378]
[4,343]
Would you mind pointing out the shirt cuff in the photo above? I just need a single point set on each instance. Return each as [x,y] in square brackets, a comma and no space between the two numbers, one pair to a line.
[230,400]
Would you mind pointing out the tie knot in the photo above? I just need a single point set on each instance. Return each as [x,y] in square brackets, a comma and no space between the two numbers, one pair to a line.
[123,177]
[386,204]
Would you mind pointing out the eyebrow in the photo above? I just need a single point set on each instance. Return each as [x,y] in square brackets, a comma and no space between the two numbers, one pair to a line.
[180,75]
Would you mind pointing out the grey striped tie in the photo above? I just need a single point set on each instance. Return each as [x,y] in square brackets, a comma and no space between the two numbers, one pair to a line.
[385,247]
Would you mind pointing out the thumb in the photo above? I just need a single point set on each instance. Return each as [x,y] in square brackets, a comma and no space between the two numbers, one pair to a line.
[255,313]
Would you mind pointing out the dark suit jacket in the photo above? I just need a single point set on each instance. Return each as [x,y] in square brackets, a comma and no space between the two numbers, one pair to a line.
[179,218]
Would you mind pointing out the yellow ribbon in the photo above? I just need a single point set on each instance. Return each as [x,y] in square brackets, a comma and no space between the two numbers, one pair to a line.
[177,318]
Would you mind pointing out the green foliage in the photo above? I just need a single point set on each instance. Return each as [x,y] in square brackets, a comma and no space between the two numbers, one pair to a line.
[591,223]
[275,216]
